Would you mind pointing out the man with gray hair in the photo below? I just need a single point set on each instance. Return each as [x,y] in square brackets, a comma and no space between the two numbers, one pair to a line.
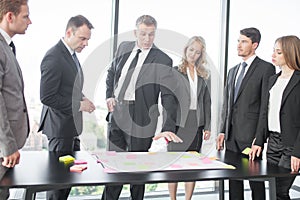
[139,73]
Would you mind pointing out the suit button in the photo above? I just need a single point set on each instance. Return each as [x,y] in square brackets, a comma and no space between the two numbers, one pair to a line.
[24,110]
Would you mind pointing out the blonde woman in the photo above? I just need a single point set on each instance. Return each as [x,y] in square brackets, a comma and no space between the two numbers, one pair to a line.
[194,110]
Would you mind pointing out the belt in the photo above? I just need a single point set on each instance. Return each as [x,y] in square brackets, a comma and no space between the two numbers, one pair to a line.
[125,102]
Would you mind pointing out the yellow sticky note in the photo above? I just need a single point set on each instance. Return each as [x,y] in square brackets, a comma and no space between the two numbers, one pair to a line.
[246,151]
[66,159]
[230,167]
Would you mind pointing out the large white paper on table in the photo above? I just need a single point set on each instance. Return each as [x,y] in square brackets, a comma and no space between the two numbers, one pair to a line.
[115,162]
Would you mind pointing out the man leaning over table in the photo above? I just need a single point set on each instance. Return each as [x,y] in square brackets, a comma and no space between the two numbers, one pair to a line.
[139,73]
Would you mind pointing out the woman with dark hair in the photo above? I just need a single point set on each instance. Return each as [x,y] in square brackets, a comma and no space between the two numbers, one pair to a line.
[282,114]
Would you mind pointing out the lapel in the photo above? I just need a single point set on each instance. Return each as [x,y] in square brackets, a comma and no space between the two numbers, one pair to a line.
[187,84]
[201,81]
[291,84]
[250,71]
[13,59]
[231,81]
[272,80]
[149,59]
[72,65]
[122,58]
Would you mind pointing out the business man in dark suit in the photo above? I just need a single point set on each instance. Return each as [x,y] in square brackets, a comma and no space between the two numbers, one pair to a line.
[245,89]
[132,100]
[14,122]
[61,92]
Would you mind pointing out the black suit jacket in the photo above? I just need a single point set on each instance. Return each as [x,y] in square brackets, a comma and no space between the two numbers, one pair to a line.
[289,114]
[155,77]
[60,93]
[244,115]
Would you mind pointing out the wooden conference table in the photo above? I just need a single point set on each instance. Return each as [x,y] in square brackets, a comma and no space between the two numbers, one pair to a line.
[41,171]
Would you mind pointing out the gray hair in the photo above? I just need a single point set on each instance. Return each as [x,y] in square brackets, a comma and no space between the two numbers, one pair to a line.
[146,19]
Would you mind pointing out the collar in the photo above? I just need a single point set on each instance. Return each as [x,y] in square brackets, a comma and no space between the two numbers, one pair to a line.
[67,46]
[146,51]
[249,60]
[6,36]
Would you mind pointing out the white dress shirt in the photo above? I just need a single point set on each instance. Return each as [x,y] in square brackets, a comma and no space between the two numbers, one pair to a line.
[249,62]
[130,91]
[193,89]
[276,93]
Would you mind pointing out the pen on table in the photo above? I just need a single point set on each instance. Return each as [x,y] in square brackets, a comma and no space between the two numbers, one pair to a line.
[99,161]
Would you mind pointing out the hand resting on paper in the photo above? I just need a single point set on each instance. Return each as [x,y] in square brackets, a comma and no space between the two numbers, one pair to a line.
[169,136]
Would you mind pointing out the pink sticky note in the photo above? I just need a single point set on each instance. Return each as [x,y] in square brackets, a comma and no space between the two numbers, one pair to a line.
[78,162]
[131,156]
[193,164]
[176,166]
[78,168]
[102,161]
[111,153]
[206,160]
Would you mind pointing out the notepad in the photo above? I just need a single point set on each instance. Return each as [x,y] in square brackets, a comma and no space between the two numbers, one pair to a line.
[66,159]
[78,168]
[79,162]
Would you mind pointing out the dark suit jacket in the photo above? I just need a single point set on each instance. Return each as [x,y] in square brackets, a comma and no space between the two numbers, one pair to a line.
[60,93]
[289,114]
[203,111]
[14,123]
[244,115]
[155,77]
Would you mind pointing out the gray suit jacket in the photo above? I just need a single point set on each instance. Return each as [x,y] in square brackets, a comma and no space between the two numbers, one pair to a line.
[244,116]
[60,93]
[203,111]
[14,123]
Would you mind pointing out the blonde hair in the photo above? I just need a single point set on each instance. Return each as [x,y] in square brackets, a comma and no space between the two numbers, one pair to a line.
[201,61]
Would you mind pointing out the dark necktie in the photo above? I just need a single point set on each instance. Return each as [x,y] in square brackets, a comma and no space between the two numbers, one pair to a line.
[77,65]
[128,75]
[239,80]
[13,47]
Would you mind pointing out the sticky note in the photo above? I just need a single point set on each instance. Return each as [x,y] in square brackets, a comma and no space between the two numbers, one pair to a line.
[66,159]
[246,151]
[79,162]
[176,166]
[78,168]
[111,153]
[206,160]
[131,156]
